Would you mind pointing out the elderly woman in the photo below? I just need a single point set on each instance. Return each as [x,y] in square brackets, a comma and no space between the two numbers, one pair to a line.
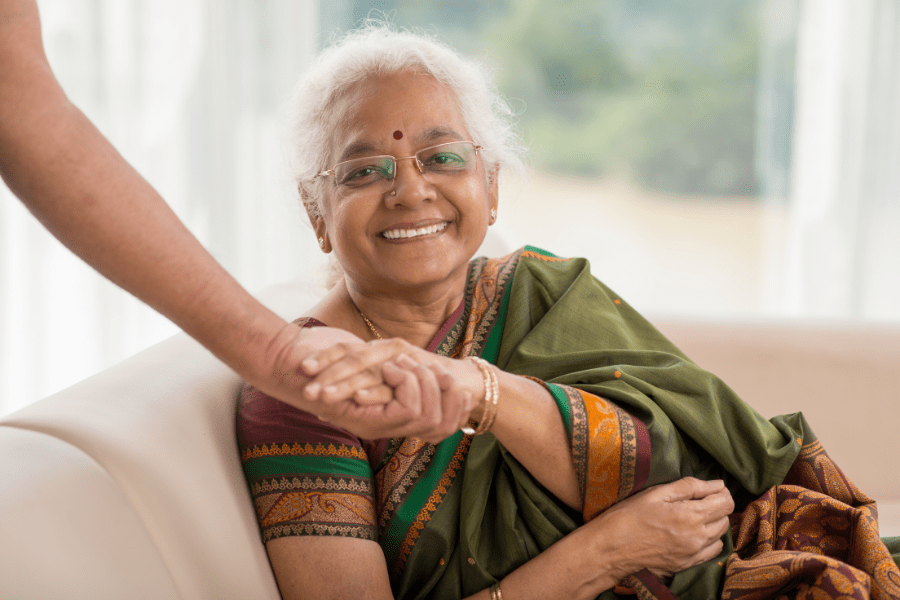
[552,443]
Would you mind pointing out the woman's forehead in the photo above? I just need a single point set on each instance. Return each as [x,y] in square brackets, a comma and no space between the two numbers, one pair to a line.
[368,146]
[407,108]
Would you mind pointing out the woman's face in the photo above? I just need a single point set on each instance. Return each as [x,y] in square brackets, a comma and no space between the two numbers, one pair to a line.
[399,115]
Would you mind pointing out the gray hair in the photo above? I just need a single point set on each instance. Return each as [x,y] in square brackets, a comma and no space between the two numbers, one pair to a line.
[324,96]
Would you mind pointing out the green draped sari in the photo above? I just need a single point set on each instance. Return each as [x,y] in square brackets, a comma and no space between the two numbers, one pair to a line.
[455,517]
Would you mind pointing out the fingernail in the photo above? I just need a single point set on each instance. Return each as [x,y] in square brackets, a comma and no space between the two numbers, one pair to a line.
[331,389]
[363,392]
[310,363]
[312,390]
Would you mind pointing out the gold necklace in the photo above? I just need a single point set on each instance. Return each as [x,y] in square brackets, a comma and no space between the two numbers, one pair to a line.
[369,323]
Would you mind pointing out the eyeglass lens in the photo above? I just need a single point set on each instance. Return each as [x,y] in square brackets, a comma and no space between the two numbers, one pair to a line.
[443,159]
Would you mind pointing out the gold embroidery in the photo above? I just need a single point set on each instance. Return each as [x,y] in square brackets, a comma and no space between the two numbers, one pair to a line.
[433,501]
[539,256]
[394,481]
[605,455]
[300,449]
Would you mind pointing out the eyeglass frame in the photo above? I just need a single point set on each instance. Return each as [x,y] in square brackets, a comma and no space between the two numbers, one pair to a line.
[396,160]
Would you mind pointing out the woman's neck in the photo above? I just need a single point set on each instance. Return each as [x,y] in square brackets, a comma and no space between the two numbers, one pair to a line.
[414,315]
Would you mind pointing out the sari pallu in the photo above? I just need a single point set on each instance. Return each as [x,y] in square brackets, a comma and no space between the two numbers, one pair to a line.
[456,517]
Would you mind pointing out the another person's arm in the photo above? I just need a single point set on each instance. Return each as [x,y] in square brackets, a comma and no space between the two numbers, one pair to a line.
[73,180]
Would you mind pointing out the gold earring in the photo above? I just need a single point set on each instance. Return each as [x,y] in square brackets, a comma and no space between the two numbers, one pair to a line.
[393,192]
[322,243]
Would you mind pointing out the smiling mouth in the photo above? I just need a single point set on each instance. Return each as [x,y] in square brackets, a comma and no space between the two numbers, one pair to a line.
[396,234]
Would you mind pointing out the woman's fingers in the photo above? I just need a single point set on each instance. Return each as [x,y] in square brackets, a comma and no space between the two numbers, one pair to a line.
[347,388]
[670,527]
[708,552]
[429,392]
[458,402]
[379,390]
[691,488]
[716,506]
[379,394]
[406,388]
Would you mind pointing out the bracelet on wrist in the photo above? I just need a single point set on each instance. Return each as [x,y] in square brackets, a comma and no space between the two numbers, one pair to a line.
[496,594]
[491,398]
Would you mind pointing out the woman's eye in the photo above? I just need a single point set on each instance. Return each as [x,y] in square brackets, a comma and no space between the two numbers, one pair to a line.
[362,175]
[445,158]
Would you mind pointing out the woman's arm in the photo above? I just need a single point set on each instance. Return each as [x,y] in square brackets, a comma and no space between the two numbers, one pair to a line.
[667,528]
[528,422]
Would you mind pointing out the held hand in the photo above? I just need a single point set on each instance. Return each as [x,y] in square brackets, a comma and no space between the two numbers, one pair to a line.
[340,371]
[286,380]
[667,528]
[442,405]
[428,404]
[434,402]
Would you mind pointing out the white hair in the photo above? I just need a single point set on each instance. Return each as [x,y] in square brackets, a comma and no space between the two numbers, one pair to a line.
[325,95]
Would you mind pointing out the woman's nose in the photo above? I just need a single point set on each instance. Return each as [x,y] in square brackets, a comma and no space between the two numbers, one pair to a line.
[410,186]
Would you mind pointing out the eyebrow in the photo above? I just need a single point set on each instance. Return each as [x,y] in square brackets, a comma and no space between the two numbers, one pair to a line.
[364,148]
[437,133]
[360,148]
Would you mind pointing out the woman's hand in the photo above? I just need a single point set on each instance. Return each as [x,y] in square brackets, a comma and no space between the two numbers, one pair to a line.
[667,528]
[428,401]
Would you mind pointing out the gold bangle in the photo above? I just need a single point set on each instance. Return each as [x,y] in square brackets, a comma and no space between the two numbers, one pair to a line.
[491,398]
[496,594]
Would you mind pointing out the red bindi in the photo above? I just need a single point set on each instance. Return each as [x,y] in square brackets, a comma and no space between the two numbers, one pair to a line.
[398,134]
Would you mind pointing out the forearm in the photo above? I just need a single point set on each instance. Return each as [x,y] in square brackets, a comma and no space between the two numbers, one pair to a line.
[90,198]
[529,425]
[575,567]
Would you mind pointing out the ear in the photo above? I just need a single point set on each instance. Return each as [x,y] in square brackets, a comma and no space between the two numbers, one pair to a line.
[493,189]
[318,225]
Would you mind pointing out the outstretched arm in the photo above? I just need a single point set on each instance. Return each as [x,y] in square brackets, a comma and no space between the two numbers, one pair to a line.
[73,180]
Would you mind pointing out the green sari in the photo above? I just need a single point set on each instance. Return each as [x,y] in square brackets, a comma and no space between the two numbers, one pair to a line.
[455,517]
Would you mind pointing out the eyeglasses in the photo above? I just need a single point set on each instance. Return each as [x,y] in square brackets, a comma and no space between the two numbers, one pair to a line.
[375,174]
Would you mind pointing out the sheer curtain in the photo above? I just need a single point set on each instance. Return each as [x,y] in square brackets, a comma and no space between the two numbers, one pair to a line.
[191,92]
[843,248]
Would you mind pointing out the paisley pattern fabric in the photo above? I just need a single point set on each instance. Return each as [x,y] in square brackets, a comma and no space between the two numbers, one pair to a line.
[815,536]
[455,517]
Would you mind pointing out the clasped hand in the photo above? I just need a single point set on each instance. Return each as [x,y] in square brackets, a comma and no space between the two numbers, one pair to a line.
[382,388]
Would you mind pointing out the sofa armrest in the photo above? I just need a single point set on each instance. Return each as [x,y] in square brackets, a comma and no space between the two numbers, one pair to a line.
[69,532]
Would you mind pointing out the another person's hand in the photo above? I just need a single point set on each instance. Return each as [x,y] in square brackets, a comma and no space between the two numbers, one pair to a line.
[667,528]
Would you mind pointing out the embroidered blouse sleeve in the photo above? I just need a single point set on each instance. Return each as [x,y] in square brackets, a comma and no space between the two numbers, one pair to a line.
[306,477]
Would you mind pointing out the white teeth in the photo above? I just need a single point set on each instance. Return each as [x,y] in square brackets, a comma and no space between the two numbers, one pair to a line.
[394,234]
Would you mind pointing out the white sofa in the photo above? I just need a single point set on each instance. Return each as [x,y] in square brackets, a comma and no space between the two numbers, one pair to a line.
[128,484]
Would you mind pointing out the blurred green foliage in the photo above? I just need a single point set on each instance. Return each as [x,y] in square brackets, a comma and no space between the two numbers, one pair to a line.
[662,92]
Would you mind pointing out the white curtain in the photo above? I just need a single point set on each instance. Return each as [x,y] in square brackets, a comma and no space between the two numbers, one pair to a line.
[191,92]
[843,246]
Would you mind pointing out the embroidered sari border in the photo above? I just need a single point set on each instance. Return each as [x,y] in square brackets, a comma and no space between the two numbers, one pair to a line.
[492,346]
[415,505]
[273,466]
[303,449]
[437,494]
[356,531]
[644,454]
[571,406]
[446,327]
